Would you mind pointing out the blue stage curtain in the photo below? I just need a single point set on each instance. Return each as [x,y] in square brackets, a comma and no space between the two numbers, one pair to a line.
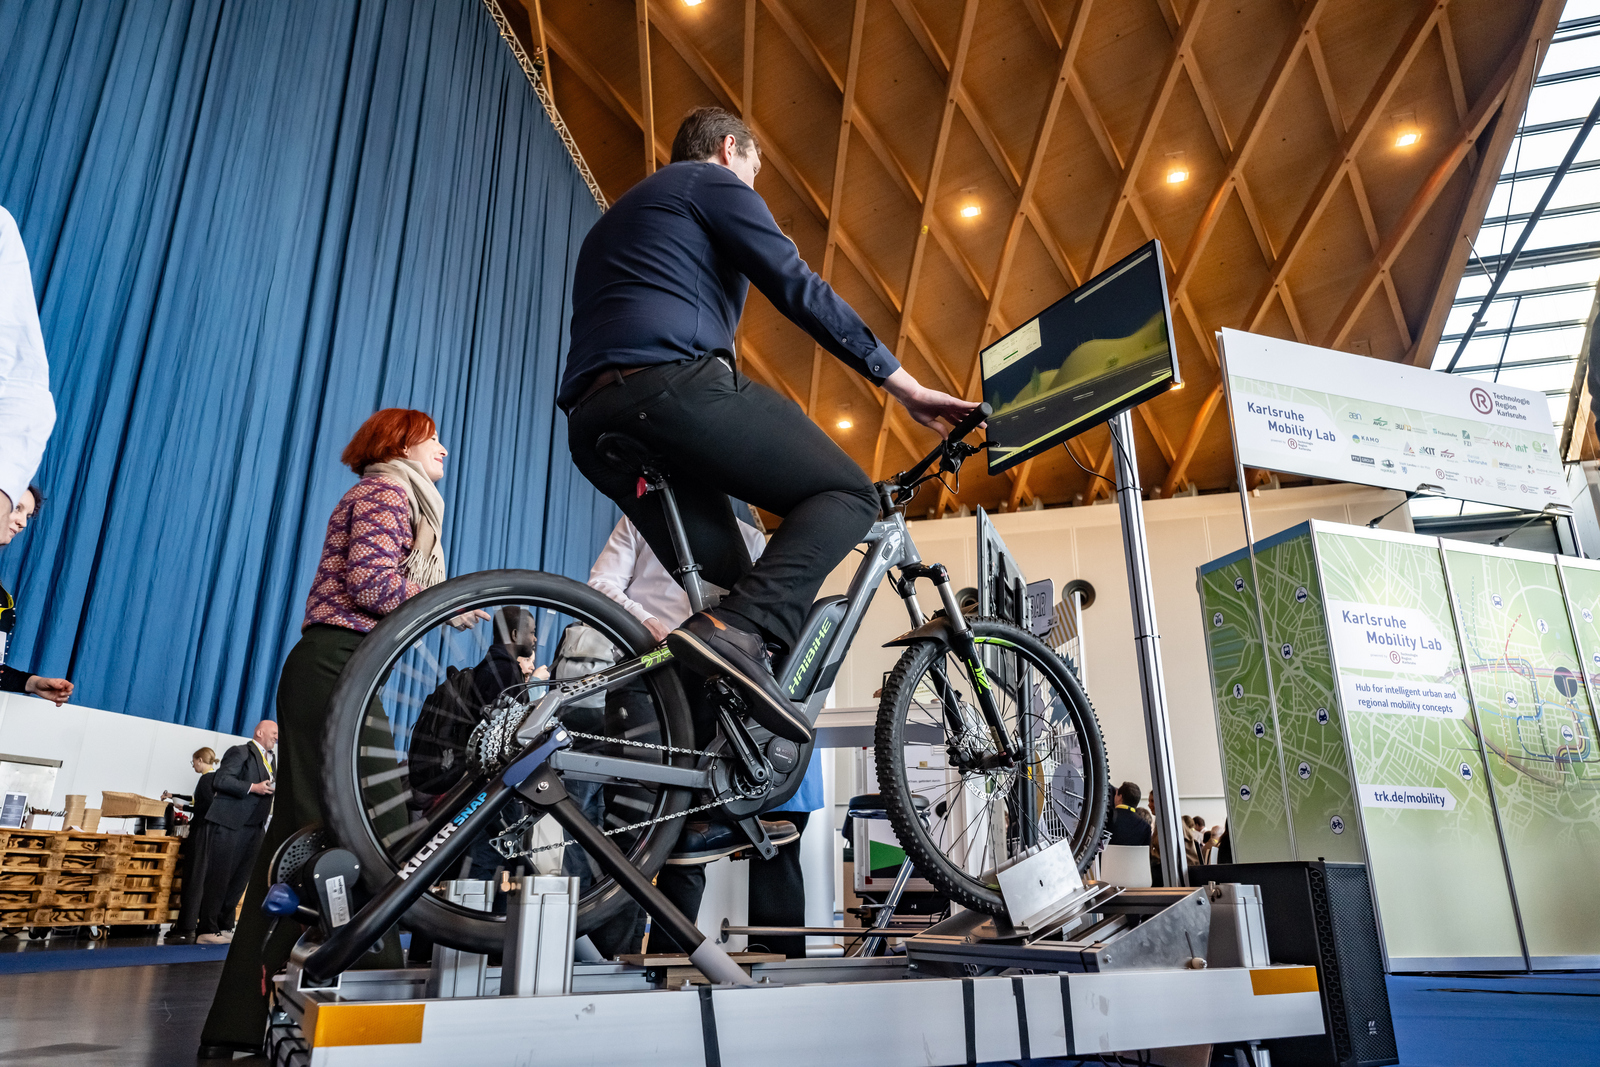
[251,224]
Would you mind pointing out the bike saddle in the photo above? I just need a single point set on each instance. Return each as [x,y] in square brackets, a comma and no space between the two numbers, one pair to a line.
[628,453]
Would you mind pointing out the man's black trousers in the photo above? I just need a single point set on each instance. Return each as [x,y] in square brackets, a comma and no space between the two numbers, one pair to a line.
[718,434]
[229,855]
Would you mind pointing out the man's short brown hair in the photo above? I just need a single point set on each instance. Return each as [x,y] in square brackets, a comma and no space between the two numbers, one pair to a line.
[703,131]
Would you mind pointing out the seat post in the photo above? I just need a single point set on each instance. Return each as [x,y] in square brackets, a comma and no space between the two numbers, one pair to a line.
[687,571]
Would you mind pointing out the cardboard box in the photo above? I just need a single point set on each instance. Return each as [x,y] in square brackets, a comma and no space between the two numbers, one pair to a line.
[124,805]
[77,803]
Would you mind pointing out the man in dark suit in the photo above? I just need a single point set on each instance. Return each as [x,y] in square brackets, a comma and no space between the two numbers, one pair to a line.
[234,826]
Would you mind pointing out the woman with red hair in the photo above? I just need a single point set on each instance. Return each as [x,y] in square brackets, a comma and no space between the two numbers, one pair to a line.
[383,546]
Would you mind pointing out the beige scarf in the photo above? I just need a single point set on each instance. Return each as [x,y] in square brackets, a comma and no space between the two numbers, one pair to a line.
[425,563]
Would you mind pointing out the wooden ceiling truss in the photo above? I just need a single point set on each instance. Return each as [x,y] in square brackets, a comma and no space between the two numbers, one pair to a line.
[1298,217]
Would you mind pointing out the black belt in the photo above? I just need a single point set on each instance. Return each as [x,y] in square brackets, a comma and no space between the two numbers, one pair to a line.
[609,376]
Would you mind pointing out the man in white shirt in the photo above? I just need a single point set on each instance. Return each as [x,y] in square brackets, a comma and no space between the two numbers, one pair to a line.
[630,573]
[27,411]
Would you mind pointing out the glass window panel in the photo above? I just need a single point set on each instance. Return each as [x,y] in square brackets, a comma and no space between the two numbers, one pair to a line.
[1548,149]
[1557,307]
[1555,377]
[1569,55]
[1567,230]
[1579,9]
[1552,103]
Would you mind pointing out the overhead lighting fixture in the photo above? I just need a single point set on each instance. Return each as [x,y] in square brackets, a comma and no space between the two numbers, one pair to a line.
[1177,168]
[845,421]
[1406,132]
[971,211]
[1174,387]
[692,3]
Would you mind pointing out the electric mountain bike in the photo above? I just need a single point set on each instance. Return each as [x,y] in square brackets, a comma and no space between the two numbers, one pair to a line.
[986,744]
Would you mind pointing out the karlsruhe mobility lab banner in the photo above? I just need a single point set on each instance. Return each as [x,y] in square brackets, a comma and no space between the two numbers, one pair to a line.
[1325,414]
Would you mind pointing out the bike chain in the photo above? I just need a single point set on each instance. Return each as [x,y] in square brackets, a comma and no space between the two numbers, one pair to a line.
[529,819]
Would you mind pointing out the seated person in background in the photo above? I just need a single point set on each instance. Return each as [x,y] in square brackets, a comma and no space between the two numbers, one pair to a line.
[1128,826]
[56,690]
[628,572]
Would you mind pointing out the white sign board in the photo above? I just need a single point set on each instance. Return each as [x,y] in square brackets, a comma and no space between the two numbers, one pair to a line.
[1326,414]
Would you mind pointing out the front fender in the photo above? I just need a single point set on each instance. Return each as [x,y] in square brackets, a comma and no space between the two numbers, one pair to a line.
[933,630]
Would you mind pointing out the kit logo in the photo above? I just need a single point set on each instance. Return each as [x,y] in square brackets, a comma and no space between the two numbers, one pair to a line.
[1482,403]
[1426,450]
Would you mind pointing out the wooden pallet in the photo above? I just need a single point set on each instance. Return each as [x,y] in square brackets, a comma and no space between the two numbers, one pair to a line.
[73,878]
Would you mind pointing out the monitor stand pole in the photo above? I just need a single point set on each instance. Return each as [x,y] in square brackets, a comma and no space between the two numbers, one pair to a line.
[1147,649]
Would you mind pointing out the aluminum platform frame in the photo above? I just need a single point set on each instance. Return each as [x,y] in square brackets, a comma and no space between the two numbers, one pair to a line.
[848,1012]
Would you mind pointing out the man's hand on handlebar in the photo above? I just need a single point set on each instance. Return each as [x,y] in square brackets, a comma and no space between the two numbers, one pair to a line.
[935,410]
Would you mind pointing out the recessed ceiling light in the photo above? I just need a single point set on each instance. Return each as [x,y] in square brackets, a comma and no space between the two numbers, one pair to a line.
[1177,168]
[1406,130]
[1176,176]
[1407,139]
[845,424]
[971,211]
[692,3]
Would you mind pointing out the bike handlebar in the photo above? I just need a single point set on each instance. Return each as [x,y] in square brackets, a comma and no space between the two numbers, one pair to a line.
[975,418]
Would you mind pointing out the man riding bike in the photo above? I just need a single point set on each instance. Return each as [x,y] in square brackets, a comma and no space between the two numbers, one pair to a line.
[660,284]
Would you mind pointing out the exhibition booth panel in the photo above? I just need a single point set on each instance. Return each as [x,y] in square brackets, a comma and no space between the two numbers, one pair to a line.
[1395,666]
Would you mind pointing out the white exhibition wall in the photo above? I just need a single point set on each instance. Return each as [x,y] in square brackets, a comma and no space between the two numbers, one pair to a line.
[1086,542]
[102,750]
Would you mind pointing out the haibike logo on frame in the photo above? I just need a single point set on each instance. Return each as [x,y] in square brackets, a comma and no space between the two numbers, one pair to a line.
[811,654]
[442,836]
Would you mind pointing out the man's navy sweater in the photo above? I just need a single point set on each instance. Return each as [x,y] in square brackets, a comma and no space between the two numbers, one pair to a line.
[663,276]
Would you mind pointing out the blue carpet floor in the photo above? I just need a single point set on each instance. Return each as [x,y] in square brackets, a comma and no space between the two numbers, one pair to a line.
[78,958]
[1495,1021]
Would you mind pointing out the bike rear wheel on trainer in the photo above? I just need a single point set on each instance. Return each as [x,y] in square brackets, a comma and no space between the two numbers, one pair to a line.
[401,716]
[980,812]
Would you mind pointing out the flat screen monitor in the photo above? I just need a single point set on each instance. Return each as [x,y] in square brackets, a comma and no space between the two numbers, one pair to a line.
[1101,349]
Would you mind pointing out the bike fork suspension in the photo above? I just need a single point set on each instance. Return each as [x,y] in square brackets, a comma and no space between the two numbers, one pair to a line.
[966,649]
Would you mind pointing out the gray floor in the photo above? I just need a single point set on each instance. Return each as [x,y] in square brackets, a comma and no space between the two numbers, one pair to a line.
[112,1017]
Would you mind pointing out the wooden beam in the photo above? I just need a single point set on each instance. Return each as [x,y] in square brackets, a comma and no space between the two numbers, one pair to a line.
[747,95]
[1158,434]
[1030,181]
[841,154]
[1157,107]
[1191,442]
[1246,143]
[1020,483]
[609,96]
[901,174]
[969,20]
[1350,145]
[986,136]
[762,366]
[1377,271]
[647,110]
[1102,484]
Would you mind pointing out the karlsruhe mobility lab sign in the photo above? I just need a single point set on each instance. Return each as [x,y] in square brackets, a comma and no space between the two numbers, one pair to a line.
[1326,414]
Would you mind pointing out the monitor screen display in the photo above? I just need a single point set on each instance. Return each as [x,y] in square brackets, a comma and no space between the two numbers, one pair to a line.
[1101,349]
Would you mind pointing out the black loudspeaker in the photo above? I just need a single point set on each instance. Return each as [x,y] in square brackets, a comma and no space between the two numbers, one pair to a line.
[1321,914]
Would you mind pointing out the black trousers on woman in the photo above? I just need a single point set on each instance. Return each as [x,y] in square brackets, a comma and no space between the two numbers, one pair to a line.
[238,1016]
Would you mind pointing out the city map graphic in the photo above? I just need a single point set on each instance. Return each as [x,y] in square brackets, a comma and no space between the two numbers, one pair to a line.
[1252,771]
[1321,795]
[1538,724]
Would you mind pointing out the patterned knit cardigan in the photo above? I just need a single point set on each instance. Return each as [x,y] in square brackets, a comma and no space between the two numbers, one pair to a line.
[361,577]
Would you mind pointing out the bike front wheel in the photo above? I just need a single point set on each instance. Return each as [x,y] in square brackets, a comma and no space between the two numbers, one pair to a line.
[978,810]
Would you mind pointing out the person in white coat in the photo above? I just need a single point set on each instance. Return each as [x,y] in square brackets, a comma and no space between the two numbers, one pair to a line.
[27,411]
[630,573]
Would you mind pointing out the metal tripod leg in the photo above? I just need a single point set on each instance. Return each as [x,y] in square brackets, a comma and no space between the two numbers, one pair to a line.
[874,944]
[544,790]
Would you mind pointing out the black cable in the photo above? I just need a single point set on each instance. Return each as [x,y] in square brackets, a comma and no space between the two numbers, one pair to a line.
[1086,470]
